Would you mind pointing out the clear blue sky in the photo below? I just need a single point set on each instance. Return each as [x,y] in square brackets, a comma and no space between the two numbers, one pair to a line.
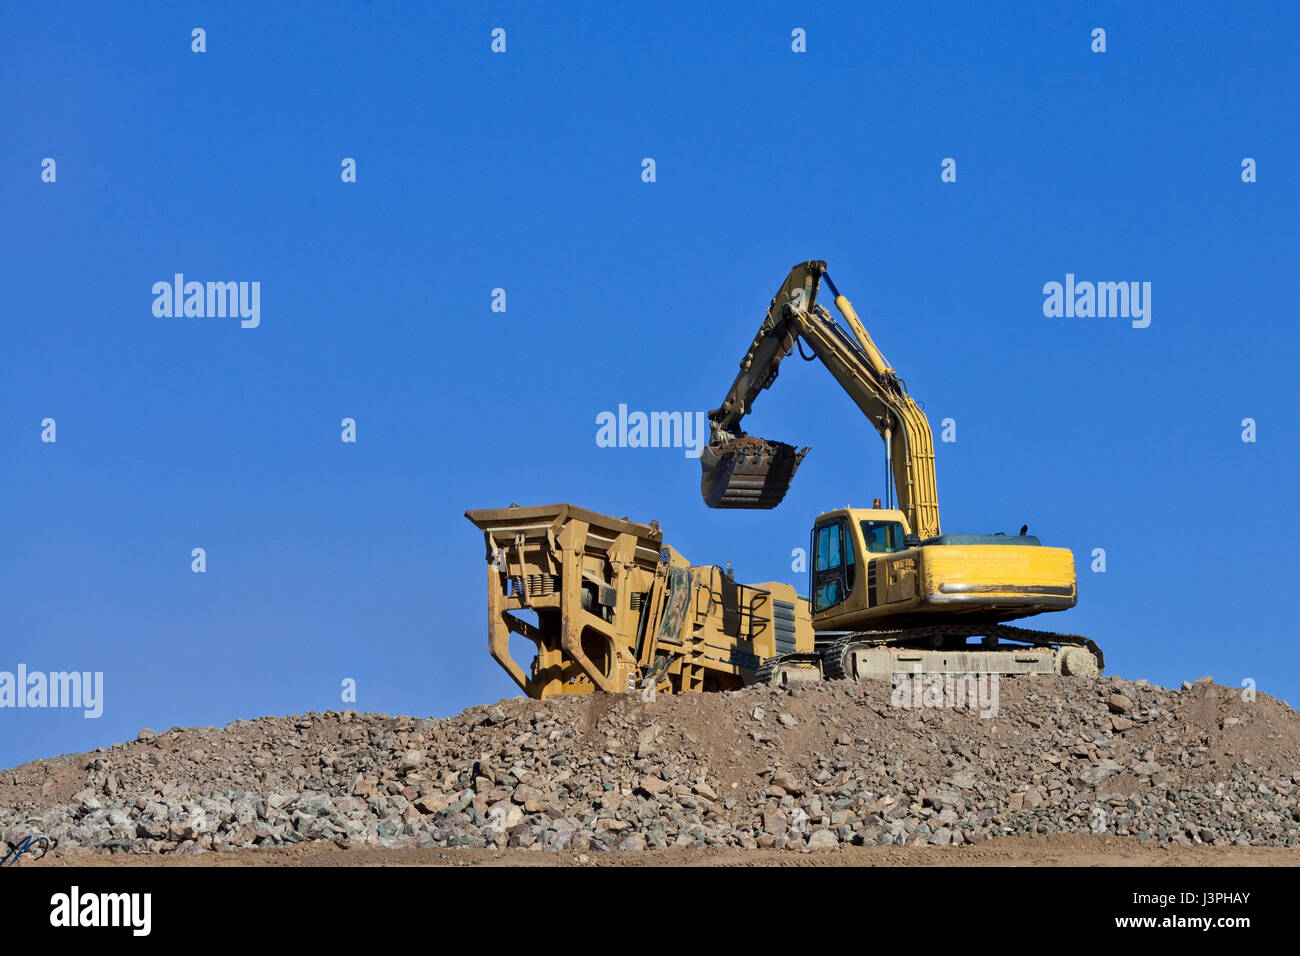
[523,171]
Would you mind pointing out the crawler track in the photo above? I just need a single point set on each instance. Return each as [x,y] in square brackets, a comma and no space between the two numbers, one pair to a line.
[835,653]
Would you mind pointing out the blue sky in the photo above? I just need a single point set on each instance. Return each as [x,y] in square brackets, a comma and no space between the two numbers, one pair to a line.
[522,171]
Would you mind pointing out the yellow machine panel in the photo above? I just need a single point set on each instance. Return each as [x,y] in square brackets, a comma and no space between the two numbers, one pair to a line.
[1012,581]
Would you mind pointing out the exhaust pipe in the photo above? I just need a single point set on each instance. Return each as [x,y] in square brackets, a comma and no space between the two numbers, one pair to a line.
[748,472]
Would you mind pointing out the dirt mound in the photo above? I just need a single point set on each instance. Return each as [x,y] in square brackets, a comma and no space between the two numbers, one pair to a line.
[816,767]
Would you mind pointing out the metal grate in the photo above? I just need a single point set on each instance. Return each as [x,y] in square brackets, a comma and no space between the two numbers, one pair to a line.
[539,585]
[783,618]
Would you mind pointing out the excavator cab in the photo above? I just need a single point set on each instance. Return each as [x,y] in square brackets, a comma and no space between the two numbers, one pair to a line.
[844,546]
[867,566]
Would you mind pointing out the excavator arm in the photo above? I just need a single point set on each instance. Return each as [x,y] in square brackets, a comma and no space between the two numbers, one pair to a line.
[742,471]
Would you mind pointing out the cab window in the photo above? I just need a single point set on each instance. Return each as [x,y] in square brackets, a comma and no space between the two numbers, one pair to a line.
[833,565]
[882,537]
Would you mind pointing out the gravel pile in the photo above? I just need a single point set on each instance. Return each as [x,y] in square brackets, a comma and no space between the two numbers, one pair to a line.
[817,767]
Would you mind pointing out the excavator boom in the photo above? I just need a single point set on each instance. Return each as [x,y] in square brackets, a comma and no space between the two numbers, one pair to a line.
[742,471]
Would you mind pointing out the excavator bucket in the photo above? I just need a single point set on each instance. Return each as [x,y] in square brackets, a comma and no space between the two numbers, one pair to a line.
[748,472]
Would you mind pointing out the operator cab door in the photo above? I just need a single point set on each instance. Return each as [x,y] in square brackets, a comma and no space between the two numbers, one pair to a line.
[833,565]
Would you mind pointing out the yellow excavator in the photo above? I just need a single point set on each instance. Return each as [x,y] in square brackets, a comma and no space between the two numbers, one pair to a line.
[608,605]
[889,591]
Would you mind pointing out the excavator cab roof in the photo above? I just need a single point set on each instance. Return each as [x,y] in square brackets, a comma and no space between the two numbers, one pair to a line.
[878,530]
[878,513]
